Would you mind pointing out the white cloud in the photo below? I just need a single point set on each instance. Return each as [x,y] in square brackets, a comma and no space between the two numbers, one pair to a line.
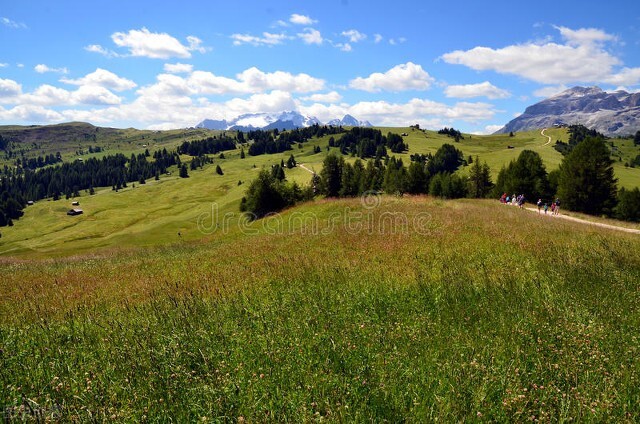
[3,65]
[9,89]
[267,39]
[144,43]
[489,129]
[301,20]
[408,76]
[41,69]
[12,24]
[584,36]
[377,38]
[46,95]
[195,44]
[97,48]
[178,68]
[550,90]
[583,59]
[354,35]
[396,41]
[311,36]
[483,89]
[331,97]
[427,113]
[30,114]
[253,80]
[275,101]
[626,76]
[103,78]
[95,95]
[346,47]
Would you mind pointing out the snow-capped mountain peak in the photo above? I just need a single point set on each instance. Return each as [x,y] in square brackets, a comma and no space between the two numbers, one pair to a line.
[286,120]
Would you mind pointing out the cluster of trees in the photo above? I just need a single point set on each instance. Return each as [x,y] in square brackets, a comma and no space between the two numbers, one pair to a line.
[40,161]
[525,175]
[577,134]
[273,141]
[210,145]
[270,192]
[301,135]
[435,176]
[451,132]
[368,143]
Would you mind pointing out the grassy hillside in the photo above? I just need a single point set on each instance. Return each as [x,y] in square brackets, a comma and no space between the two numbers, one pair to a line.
[71,138]
[470,310]
[156,212]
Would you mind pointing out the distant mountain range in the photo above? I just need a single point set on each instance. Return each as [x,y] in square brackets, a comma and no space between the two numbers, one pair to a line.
[612,114]
[282,121]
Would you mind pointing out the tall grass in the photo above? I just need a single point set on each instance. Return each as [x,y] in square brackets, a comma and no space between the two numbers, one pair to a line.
[495,315]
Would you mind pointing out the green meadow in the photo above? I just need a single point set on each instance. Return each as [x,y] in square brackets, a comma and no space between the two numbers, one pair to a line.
[462,311]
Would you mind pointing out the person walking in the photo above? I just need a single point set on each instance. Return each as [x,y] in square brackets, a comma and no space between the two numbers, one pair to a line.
[539,204]
[556,210]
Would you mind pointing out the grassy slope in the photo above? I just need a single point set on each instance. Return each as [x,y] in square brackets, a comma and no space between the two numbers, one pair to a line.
[488,311]
[70,138]
[155,213]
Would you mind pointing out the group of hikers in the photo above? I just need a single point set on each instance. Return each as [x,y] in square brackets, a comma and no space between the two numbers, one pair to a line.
[513,200]
[520,200]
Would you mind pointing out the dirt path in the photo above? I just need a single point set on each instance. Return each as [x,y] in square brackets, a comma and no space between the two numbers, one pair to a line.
[544,135]
[584,221]
[301,165]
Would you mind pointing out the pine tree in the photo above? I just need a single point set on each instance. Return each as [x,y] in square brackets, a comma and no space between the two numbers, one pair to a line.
[219,170]
[331,175]
[417,178]
[291,162]
[636,138]
[479,180]
[586,182]
[242,155]
[183,171]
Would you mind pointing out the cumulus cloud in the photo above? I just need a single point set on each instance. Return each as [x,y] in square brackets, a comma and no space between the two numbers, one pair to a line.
[377,38]
[267,39]
[95,95]
[483,89]
[311,36]
[427,113]
[3,65]
[301,20]
[41,69]
[581,59]
[408,76]
[30,113]
[331,97]
[156,45]
[584,36]
[354,36]
[102,78]
[9,89]
[253,80]
[178,68]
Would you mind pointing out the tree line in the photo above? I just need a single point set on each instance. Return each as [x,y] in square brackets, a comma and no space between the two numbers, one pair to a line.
[19,186]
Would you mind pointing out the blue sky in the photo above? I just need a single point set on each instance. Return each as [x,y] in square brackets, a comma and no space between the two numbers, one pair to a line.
[468,64]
